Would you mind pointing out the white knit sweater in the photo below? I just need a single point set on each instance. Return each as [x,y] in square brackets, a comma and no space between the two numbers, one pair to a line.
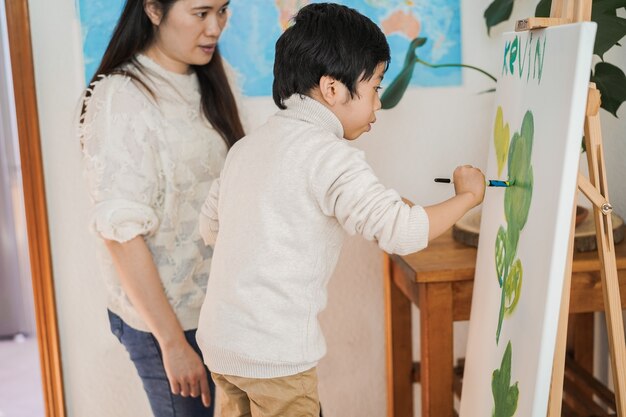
[278,216]
[149,163]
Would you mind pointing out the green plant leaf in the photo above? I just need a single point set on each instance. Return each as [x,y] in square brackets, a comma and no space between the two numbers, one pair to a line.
[603,6]
[505,396]
[410,53]
[543,8]
[498,11]
[396,89]
[611,29]
[611,82]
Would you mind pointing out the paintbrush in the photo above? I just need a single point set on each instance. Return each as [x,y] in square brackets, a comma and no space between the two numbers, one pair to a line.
[488,183]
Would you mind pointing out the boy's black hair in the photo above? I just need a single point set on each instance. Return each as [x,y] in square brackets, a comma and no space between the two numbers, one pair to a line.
[327,39]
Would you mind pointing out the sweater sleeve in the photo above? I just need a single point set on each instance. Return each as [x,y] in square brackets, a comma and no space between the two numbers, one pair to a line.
[346,188]
[209,221]
[119,162]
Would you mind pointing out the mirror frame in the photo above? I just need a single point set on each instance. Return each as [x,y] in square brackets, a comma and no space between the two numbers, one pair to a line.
[19,37]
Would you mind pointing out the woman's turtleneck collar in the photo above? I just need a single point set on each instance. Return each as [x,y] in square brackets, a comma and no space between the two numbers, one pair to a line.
[309,110]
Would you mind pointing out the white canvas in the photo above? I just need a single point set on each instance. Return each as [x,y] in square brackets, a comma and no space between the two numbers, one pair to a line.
[540,101]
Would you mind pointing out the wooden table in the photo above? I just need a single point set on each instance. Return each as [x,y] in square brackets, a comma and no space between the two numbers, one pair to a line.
[439,281]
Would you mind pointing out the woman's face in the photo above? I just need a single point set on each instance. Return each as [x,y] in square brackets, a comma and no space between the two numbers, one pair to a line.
[188,34]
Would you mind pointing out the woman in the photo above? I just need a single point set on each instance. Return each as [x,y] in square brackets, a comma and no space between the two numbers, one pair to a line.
[156,123]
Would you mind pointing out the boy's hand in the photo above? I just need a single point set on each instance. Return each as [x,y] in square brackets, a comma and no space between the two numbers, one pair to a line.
[468,179]
[469,185]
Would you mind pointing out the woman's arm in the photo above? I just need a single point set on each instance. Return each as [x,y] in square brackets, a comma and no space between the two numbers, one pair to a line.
[140,280]
[122,173]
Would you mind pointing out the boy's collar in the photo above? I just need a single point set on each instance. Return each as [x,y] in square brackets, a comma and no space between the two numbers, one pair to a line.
[312,111]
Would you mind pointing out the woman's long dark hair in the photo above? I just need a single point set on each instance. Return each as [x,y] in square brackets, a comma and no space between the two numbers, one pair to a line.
[134,33]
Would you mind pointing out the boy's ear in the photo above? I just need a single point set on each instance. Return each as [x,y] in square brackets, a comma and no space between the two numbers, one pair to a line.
[153,11]
[331,90]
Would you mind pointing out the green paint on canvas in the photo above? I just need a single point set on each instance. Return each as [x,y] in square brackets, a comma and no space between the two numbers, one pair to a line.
[505,395]
[501,140]
[525,56]
[517,200]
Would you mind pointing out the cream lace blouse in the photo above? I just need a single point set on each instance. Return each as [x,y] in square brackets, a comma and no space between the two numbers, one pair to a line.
[149,163]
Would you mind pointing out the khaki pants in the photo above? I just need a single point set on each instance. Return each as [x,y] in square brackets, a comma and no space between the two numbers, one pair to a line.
[289,396]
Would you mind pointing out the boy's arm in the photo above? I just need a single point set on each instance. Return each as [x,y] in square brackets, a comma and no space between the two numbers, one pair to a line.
[209,220]
[442,216]
[469,186]
[347,189]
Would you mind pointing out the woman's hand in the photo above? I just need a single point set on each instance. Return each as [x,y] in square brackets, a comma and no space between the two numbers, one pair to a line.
[186,372]
[140,280]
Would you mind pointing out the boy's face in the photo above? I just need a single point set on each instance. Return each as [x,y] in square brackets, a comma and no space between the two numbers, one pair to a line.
[357,114]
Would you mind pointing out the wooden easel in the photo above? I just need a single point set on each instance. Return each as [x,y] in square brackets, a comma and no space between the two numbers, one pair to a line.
[595,188]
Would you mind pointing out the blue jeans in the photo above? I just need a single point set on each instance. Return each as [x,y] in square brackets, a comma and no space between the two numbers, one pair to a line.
[145,353]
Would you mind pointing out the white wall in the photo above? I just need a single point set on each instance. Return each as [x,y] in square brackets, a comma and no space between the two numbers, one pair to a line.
[427,135]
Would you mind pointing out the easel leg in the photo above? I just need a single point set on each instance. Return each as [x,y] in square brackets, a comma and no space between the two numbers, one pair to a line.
[558,367]
[596,190]
[606,249]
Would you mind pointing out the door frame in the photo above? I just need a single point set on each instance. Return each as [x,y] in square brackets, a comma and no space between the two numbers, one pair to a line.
[20,49]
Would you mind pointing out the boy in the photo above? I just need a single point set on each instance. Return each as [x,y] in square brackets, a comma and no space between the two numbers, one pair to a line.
[287,195]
